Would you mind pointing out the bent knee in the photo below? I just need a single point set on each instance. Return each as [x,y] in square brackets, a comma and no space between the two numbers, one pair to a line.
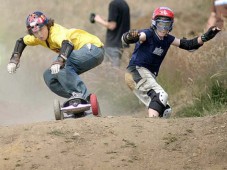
[163,97]
[158,101]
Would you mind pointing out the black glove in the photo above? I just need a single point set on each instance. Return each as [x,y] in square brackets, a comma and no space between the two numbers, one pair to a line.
[92,18]
[133,34]
[131,37]
[212,31]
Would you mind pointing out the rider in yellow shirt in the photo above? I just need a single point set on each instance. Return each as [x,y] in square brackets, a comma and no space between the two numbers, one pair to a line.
[78,51]
[57,34]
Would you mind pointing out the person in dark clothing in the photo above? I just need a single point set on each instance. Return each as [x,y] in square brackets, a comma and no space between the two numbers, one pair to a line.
[150,50]
[118,23]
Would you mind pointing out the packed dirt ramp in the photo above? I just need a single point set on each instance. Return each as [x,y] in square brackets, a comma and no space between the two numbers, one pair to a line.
[117,143]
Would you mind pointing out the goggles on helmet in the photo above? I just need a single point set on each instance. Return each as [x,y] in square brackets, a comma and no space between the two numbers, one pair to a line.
[162,25]
[163,19]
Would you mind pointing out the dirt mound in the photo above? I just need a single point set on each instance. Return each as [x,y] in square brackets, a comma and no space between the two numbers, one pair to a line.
[117,143]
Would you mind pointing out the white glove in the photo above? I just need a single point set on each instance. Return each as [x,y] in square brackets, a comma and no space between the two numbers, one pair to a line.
[11,68]
[55,68]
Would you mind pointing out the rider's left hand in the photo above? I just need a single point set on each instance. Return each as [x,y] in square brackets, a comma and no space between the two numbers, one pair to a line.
[55,68]
[212,31]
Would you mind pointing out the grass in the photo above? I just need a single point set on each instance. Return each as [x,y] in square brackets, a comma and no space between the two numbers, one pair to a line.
[208,102]
[201,75]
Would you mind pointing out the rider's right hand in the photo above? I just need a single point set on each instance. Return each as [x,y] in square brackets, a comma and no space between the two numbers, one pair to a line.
[133,33]
[11,68]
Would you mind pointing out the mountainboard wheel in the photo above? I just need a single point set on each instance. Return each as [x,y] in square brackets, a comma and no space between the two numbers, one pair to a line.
[94,105]
[57,110]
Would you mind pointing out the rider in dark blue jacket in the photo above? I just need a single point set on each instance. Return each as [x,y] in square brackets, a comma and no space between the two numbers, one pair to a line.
[150,50]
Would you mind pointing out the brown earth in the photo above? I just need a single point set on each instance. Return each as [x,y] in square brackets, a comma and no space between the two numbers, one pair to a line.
[123,138]
[123,142]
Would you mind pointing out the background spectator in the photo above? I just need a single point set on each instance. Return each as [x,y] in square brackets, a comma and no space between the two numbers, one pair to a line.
[118,23]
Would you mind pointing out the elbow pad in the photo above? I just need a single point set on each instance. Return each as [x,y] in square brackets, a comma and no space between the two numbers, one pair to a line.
[190,44]
[127,39]
[66,49]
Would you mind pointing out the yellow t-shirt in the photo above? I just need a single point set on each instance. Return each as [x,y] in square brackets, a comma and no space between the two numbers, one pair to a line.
[57,34]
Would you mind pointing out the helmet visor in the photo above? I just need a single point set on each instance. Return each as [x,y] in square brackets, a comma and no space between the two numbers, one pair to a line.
[164,25]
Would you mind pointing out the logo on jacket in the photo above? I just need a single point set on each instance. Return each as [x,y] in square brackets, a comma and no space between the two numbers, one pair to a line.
[158,51]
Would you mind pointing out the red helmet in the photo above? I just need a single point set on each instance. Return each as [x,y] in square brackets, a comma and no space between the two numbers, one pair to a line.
[163,12]
[164,15]
[35,21]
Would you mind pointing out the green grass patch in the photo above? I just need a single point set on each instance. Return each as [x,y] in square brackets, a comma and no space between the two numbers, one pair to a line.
[209,102]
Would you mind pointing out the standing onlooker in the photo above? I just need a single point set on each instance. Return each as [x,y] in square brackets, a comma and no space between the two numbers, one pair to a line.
[218,14]
[118,23]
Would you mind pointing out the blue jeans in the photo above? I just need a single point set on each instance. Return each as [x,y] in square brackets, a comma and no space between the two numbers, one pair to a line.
[68,80]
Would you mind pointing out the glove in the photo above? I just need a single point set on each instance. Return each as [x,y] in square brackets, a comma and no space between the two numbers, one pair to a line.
[55,68]
[130,37]
[212,31]
[12,67]
[133,34]
[92,18]
[57,65]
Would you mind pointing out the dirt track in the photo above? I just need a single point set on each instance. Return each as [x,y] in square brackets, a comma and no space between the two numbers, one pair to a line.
[116,143]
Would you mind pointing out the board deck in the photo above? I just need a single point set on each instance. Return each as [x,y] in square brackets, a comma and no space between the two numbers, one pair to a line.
[78,108]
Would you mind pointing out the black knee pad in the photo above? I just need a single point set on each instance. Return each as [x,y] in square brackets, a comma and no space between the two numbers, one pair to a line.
[156,103]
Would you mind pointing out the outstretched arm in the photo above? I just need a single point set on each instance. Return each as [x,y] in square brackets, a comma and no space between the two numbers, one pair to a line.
[211,20]
[197,42]
[15,58]
[97,18]
[132,36]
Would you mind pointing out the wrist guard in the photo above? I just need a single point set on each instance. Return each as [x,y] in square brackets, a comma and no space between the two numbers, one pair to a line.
[66,49]
[59,61]
[17,52]
[128,39]
[212,31]
[189,44]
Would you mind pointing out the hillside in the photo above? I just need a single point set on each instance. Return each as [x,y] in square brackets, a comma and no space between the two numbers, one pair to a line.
[124,138]
[126,143]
